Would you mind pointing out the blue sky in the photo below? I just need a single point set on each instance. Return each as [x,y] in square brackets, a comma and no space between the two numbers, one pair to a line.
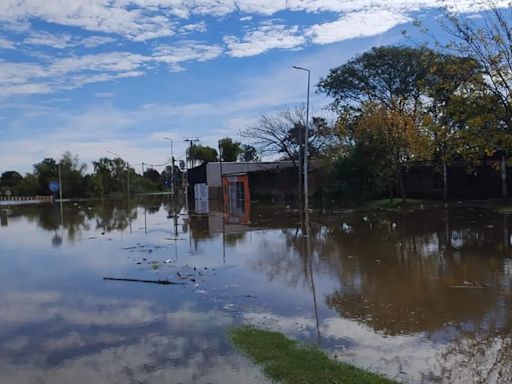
[91,76]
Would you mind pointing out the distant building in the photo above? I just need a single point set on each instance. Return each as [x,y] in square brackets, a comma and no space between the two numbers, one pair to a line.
[234,176]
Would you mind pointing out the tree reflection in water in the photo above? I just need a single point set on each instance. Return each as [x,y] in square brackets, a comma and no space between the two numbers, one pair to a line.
[438,276]
[438,273]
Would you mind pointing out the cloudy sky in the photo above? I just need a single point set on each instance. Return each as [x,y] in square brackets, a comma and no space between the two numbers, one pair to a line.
[93,76]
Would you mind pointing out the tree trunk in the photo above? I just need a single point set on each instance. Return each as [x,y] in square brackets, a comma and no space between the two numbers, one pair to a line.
[445,181]
[401,182]
[504,176]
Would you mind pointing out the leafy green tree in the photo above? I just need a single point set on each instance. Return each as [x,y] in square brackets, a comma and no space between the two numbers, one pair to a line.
[390,76]
[28,186]
[229,149]
[488,40]
[451,83]
[248,153]
[202,153]
[10,179]
[153,175]
[381,90]
[72,175]
[45,172]
[393,137]
[111,175]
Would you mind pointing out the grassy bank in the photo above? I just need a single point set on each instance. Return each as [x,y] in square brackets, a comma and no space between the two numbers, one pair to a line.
[287,362]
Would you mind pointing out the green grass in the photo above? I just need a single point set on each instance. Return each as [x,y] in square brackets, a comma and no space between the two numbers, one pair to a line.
[288,362]
[398,203]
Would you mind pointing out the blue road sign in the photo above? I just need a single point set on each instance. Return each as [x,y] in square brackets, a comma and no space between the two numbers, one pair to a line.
[54,186]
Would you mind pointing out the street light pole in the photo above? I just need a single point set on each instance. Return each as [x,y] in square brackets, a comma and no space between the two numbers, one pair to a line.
[60,198]
[306,141]
[172,166]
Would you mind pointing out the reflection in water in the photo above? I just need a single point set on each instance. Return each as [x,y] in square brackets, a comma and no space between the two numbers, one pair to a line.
[420,296]
[4,217]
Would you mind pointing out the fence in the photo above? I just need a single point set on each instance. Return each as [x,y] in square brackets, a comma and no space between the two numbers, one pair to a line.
[48,199]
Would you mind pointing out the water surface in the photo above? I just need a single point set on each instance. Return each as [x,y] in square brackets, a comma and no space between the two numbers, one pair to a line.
[420,296]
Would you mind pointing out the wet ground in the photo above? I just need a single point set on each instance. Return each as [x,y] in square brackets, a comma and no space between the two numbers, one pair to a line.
[423,297]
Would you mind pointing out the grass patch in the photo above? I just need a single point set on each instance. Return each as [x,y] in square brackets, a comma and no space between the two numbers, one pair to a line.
[286,361]
[398,203]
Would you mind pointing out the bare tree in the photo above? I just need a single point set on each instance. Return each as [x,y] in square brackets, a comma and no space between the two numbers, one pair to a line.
[282,133]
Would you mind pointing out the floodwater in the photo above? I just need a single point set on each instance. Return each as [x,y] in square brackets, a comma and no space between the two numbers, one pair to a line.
[422,297]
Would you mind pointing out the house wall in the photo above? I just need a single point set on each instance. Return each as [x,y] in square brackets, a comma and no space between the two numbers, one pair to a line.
[213,175]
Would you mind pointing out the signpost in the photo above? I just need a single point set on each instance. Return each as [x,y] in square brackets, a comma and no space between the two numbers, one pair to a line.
[54,186]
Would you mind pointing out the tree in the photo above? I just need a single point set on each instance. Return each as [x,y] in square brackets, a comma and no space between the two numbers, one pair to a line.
[248,153]
[111,175]
[392,138]
[27,187]
[488,40]
[10,179]
[229,149]
[381,90]
[202,153]
[390,76]
[45,172]
[281,134]
[168,173]
[153,175]
[72,175]
[450,84]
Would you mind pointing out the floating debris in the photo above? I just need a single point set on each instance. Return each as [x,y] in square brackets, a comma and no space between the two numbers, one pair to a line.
[161,282]
[346,228]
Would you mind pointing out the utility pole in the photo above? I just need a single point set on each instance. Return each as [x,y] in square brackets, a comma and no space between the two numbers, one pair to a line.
[60,198]
[221,181]
[191,142]
[306,141]
[172,166]
[301,161]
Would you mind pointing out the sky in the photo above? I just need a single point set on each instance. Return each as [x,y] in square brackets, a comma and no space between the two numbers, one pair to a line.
[97,77]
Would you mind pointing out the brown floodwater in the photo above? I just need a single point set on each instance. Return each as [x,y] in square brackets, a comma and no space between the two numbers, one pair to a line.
[422,297]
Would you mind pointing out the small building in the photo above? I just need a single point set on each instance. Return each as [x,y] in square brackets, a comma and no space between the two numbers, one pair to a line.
[229,181]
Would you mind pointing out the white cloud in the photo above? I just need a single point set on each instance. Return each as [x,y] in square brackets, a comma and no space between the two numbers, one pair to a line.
[264,38]
[141,20]
[67,73]
[186,51]
[49,39]
[195,27]
[110,62]
[356,25]
[92,15]
[62,41]
[95,41]
[6,44]
[75,71]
